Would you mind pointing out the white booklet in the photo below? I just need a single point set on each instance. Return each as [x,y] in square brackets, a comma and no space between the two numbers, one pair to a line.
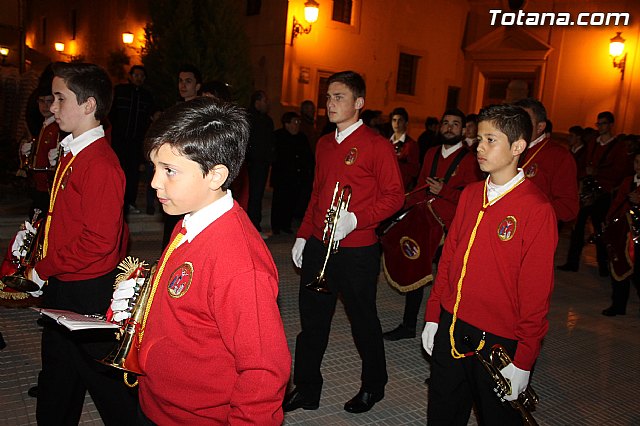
[74,321]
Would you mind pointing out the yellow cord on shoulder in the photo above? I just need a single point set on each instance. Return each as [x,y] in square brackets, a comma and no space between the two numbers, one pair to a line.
[156,280]
[485,204]
[57,182]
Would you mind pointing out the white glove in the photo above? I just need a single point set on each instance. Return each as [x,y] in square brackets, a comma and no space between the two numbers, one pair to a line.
[297,250]
[52,155]
[25,148]
[33,276]
[347,222]
[519,380]
[428,335]
[18,249]
[121,298]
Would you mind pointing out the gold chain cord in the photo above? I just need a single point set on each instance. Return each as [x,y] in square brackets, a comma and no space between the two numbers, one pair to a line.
[485,204]
[174,244]
[57,182]
[535,153]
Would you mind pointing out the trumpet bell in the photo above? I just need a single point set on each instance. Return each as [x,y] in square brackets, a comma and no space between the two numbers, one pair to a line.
[319,285]
[123,358]
[20,283]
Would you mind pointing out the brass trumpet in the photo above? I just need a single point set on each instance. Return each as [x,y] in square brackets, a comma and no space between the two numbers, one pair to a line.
[338,202]
[125,355]
[527,400]
[33,248]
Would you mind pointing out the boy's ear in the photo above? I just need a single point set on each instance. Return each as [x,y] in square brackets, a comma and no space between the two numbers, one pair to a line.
[518,147]
[359,103]
[90,105]
[217,176]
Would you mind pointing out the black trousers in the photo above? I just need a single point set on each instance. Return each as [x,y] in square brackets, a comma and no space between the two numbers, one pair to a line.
[457,383]
[597,212]
[352,272]
[285,200]
[258,174]
[69,360]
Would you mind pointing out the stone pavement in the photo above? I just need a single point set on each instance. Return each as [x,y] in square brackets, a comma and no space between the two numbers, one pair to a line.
[588,372]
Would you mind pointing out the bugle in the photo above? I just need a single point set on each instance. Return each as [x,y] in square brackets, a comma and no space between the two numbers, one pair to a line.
[125,355]
[32,246]
[338,202]
[526,401]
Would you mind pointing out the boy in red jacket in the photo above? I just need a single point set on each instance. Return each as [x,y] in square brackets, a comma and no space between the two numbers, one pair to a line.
[494,279]
[84,240]
[213,348]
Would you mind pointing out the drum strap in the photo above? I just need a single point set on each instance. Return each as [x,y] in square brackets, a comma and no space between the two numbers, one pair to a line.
[452,168]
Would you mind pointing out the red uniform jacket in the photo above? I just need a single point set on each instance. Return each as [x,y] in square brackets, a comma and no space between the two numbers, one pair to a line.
[611,163]
[87,231]
[466,172]
[409,161]
[214,349]
[552,168]
[509,271]
[47,140]
[365,161]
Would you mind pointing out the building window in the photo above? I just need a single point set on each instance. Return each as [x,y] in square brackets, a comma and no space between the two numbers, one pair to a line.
[43,31]
[342,11]
[253,7]
[453,95]
[407,72]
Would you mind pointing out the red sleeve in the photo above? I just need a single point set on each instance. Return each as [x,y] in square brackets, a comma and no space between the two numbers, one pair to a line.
[247,316]
[564,193]
[621,198]
[389,187]
[535,284]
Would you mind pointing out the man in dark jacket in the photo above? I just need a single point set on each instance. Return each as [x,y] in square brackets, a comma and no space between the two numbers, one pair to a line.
[260,154]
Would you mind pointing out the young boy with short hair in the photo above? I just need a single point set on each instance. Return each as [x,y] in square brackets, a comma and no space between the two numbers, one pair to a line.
[84,240]
[213,348]
[494,280]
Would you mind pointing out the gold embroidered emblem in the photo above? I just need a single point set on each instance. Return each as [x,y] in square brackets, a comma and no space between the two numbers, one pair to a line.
[410,248]
[351,157]
[507,228]
[531,171]
[180,280]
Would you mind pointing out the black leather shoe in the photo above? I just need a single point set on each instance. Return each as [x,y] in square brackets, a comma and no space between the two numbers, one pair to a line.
[33,392]
[295,400]
[568,268]
[363,402]
[400,332]
[612,312]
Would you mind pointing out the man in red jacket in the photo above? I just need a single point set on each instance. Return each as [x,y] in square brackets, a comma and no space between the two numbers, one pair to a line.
[356,156]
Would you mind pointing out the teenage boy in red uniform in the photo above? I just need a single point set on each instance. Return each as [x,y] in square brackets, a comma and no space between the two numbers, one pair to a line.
[44,151]
[84,240]
[352,155]
[407,150]
[213,348]
[447,168]
[494,280]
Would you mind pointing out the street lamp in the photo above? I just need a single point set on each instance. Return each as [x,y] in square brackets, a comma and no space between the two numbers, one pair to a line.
[4,52]
[616,50]
[127,37]
[311,9]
